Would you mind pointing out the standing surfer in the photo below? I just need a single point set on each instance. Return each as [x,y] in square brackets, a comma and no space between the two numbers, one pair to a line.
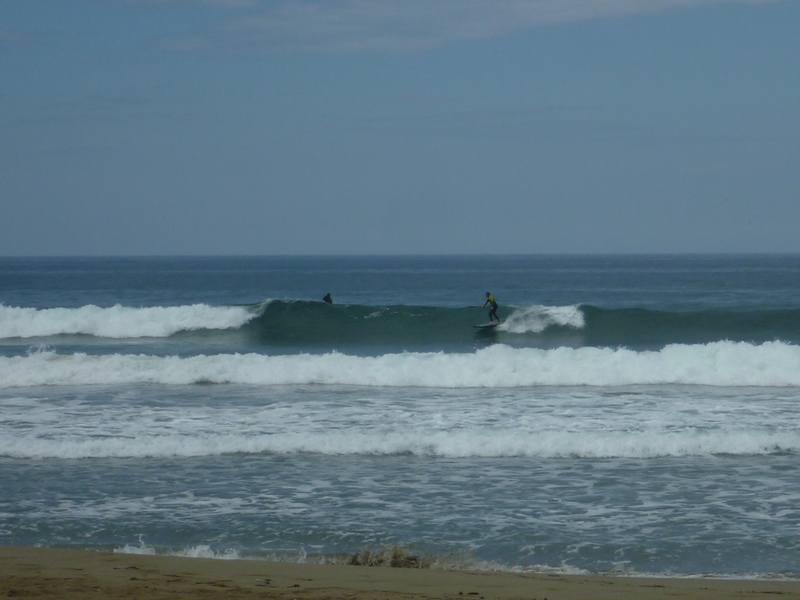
[493,312]
[328,298]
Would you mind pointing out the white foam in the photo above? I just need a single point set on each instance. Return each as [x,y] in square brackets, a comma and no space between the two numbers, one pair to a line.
[205,551]
[201,551]
[451,562]
[420,441]
[535,319]
[499,366]
[141,549]
[119,321]
[560,420]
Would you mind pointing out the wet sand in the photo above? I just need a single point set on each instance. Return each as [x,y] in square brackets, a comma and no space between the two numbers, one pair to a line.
[71,574]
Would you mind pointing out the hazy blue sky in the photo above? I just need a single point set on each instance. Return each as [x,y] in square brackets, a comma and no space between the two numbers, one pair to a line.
[399,126]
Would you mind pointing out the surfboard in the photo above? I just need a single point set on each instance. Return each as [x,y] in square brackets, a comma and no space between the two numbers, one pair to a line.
[488,325]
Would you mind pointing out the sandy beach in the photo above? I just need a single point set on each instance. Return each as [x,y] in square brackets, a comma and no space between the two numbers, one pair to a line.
[68,574]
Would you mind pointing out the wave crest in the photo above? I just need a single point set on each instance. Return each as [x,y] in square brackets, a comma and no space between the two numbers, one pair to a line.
[419,441]
[536,319]
[499,366]
[119,321]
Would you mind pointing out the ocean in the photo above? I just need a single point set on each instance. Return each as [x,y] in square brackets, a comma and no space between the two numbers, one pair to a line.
[635,415]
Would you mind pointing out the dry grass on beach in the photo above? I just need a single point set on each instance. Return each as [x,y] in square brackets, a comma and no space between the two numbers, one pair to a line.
[74,574]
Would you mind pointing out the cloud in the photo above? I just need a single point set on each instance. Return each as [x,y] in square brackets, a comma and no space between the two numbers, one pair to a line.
[398,25]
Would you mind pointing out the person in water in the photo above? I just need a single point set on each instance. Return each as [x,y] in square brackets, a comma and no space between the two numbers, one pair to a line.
[493,312]
[328,298]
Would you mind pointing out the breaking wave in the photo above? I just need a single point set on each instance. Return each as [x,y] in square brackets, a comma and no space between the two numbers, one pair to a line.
[305,323]
[497,366]
[119,321]
[450,444]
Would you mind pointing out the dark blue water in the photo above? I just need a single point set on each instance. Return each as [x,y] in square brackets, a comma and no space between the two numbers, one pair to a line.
[652,282]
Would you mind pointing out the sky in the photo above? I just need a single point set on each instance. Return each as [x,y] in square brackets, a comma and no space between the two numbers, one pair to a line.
[304,127]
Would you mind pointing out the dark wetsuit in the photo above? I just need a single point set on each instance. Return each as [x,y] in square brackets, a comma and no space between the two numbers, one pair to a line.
[328,299]
[493,312]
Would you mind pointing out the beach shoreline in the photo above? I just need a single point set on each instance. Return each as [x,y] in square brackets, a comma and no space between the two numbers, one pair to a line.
[71,574]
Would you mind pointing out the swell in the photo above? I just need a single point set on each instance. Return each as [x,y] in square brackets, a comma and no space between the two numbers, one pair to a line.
[304,323]
[298,323]
[636,327]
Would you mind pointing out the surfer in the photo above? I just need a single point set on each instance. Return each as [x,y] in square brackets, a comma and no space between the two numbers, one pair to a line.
[493,312]
[328,298]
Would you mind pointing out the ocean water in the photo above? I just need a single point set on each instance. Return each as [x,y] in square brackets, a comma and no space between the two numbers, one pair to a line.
[633,415]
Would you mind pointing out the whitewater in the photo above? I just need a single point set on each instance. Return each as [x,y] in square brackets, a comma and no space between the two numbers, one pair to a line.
[634,422]
[721,363]
[118,321]
[634,415]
